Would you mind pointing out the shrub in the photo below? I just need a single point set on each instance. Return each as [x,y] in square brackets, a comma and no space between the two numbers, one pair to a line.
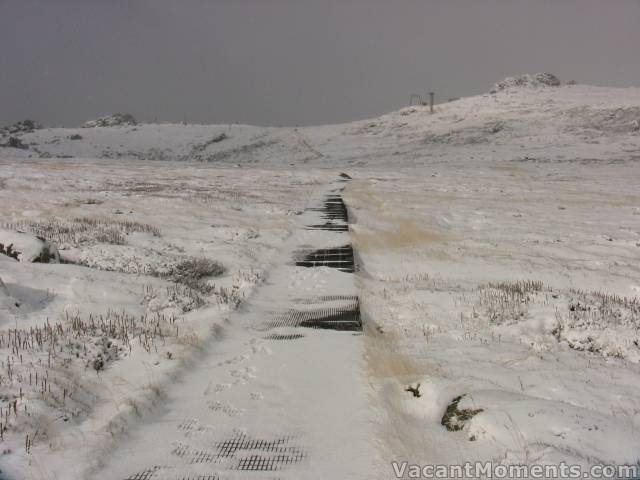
[193,270]
[9,251]
[454,418]
[15,142]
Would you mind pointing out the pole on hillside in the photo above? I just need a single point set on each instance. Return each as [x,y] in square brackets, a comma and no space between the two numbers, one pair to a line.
[431,95]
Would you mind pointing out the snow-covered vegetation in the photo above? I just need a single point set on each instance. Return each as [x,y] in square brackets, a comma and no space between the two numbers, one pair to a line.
[115,120]
[497,241]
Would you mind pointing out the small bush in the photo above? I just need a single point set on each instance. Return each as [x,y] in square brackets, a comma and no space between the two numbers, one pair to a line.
[9,251]
[98,363]
[454,418]
[15,142]
[193,270]
[600,323]
[176,296]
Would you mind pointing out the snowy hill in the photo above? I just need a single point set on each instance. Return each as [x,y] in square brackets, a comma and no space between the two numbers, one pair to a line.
[566,118]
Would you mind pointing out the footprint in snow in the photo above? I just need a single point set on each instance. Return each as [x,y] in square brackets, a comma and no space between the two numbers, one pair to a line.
[262,349]
[180,449]
[224,407]
[234,360]
[258,347]
[192,427]
[243,375]
[188,424]
[217,388]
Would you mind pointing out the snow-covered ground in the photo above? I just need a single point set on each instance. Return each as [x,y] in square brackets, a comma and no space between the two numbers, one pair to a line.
[497,242]
[516,289]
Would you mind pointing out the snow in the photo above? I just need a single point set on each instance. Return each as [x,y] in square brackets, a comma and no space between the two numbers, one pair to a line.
[7,303]
[27,248]
[497,243]
[455,275]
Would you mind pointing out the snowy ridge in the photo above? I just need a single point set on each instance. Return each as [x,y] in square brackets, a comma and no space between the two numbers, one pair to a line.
[575,118]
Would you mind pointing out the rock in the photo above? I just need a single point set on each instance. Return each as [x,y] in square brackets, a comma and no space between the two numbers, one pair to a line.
[115,120]
[536,80]
[24,126]
[15,142]
[27,248]
[546,79]
[98,363]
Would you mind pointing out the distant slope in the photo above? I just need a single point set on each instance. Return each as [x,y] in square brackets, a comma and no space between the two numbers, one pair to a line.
[571,119]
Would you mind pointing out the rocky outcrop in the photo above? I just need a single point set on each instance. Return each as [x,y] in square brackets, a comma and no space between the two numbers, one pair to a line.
[115,120]
[536,80]
[24,126]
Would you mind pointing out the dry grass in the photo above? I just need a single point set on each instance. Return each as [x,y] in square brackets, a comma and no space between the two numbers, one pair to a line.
[83,230]
[188,298]
[505,303]
[44,364]
[192,340]
[519,288]
[600,310]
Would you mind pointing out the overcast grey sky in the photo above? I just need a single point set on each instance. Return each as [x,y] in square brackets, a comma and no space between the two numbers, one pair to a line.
[293,62]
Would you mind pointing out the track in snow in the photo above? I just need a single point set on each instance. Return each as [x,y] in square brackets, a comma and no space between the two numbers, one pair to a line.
[329,314]
[225,437]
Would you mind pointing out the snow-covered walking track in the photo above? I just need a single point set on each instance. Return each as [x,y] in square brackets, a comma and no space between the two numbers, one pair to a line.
[281,393]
